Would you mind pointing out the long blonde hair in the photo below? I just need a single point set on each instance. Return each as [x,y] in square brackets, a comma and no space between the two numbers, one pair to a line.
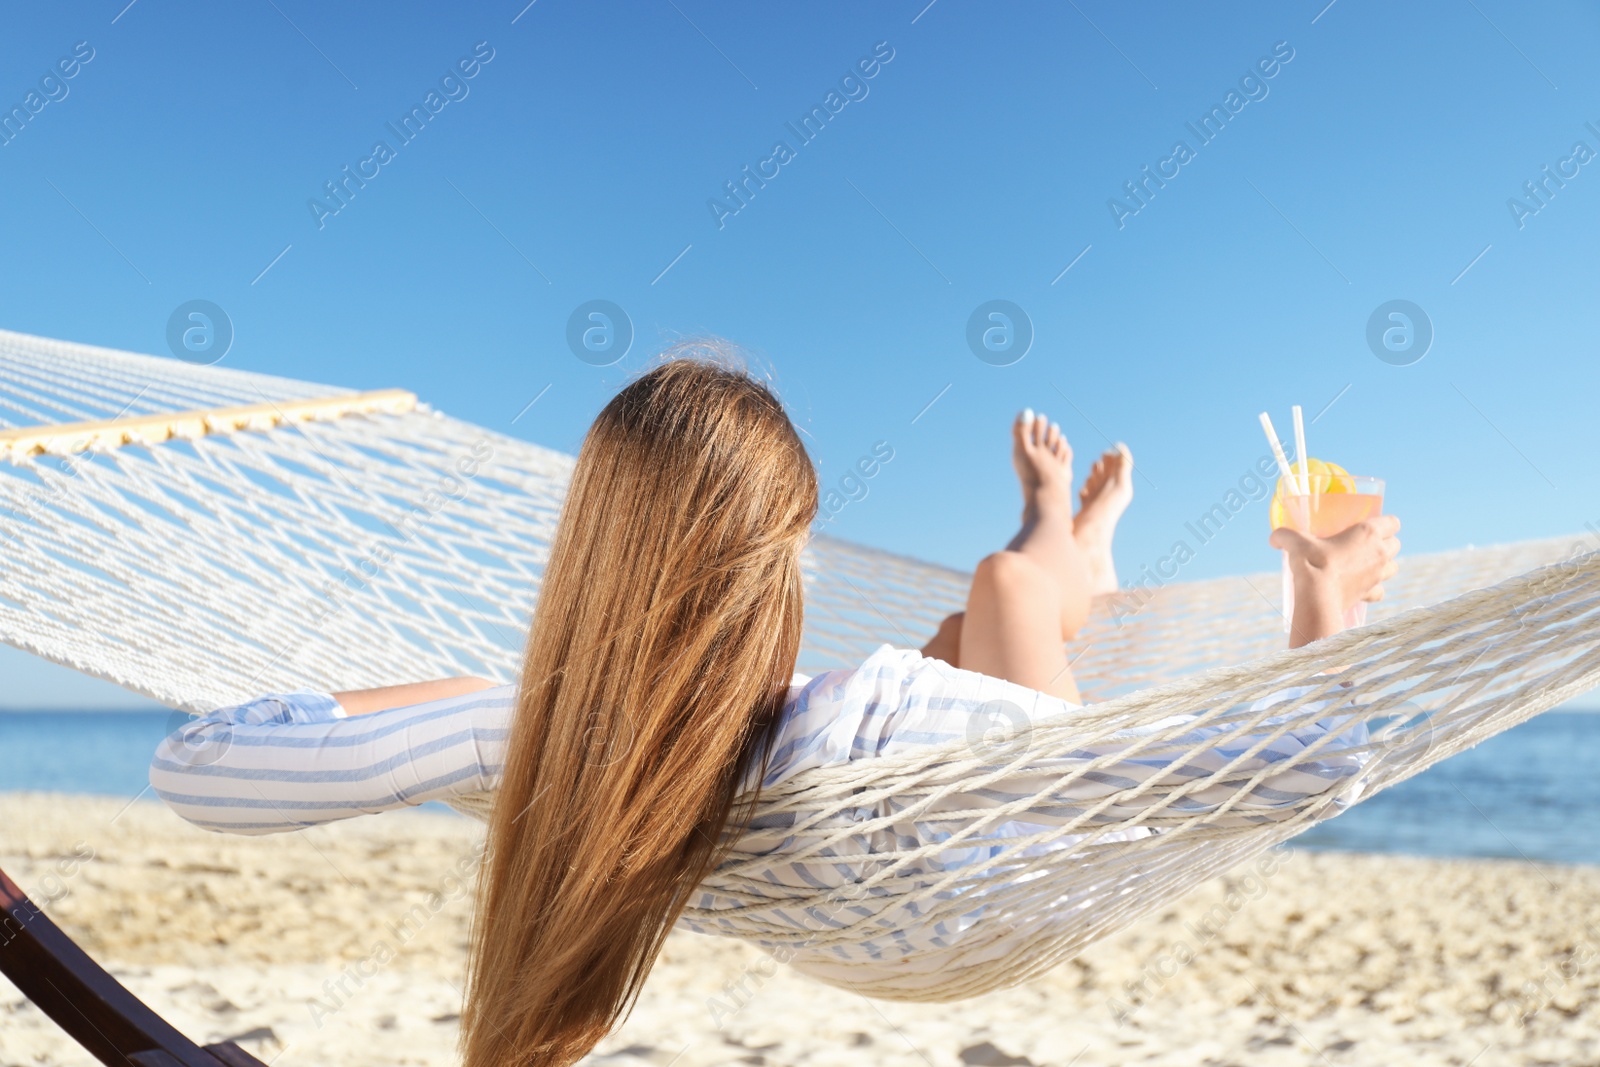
[666,632]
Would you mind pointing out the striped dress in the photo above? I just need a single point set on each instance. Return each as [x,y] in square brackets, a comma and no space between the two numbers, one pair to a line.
[290,760]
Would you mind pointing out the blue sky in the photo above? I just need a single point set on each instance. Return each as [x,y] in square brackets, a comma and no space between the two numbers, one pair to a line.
[975,164]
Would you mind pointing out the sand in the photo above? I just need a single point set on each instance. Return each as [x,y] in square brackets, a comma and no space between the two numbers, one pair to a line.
[345,946]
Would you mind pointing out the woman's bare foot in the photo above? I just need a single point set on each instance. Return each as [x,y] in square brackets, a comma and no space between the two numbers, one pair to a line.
[1043,459]
[1044,467]
[1105,495]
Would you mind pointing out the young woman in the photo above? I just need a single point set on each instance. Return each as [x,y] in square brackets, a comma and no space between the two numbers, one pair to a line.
[658,696]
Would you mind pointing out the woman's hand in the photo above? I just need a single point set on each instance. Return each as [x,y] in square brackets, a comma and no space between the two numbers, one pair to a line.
[1333,574]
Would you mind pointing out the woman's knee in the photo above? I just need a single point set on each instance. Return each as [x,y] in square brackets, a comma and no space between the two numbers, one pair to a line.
[1012,577]
[950,628]
[1010,572]
[946,642]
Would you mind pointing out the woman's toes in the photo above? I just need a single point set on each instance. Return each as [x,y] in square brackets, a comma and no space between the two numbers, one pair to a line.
[1114,464]
[1034,431]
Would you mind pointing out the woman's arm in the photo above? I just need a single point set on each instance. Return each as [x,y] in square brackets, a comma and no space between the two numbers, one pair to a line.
[289,760]
[366,701]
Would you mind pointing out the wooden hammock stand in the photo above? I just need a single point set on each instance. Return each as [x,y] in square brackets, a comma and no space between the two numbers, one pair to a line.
[95,1010]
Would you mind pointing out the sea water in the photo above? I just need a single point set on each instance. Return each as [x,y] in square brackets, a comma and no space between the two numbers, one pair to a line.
[1532,792]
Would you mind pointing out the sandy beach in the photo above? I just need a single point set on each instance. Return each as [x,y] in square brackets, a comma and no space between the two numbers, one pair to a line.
[345,945]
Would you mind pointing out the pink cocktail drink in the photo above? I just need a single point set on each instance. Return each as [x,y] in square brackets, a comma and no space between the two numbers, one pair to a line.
[1336,503]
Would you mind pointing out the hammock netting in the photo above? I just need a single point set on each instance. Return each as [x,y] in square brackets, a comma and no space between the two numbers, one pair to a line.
[322,539]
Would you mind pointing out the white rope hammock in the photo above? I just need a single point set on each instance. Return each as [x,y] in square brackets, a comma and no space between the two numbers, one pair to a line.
[339,540]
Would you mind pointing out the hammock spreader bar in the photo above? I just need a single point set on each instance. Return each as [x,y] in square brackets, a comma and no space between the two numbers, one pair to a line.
[95,1010]
[103,435]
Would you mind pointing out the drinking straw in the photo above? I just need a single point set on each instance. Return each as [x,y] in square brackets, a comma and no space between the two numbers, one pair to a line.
[1300,451]
[1277,452]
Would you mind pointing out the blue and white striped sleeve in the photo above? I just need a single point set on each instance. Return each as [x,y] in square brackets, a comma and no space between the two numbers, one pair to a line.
[286,761]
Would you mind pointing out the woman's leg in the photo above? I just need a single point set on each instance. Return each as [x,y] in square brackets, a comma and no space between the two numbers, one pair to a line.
[1025,601]
[946,643]
[1012,626]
